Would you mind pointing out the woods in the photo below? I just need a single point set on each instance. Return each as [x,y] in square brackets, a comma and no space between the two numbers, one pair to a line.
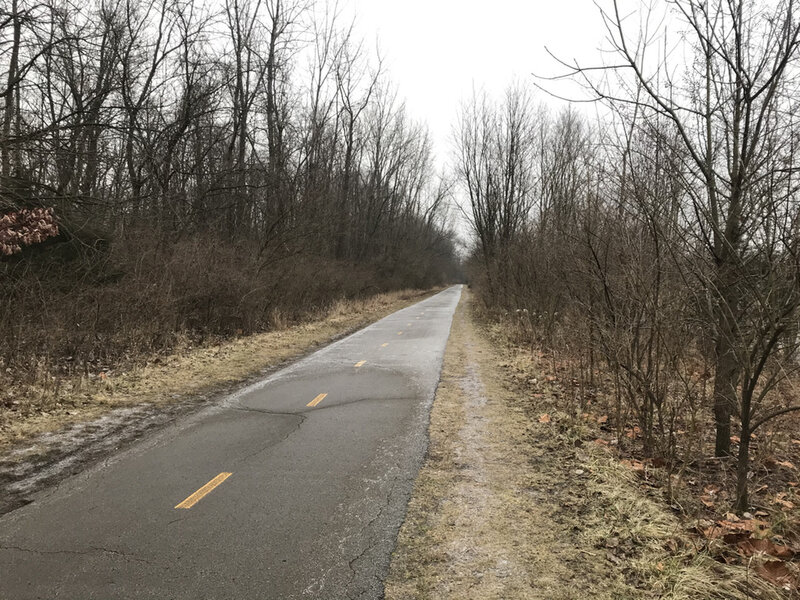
[181,168]
[199,168]
[660,244]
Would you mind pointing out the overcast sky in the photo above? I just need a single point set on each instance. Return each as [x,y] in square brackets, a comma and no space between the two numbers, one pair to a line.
[436,50]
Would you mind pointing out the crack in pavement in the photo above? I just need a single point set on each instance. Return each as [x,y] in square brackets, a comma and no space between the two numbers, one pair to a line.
[371,540]
[270,443]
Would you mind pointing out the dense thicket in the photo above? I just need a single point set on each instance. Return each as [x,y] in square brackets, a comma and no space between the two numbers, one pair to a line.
[210,167]
[663,242]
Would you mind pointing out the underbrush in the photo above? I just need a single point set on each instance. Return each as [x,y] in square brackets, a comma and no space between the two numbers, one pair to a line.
[76,315]
[188,374]
[74,308]
[666,525]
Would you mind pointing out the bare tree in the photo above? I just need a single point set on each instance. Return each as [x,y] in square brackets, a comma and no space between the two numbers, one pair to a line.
[496,148]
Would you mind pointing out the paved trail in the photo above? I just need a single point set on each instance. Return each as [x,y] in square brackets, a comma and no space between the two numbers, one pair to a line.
[293,488]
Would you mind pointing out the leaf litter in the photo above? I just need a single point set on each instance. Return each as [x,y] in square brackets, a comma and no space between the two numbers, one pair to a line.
[512,502]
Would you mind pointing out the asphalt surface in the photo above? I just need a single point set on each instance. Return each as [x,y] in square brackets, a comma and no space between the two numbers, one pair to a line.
[260,496]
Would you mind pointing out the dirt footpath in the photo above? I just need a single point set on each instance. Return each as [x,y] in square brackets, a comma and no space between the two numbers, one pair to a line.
[511,504]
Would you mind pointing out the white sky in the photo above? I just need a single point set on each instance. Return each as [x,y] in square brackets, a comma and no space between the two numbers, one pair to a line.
[437,50]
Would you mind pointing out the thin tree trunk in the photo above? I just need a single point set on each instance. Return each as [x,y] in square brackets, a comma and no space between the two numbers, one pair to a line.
[11,101]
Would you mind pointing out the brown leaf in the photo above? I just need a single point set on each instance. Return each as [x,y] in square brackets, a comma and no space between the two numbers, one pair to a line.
[545,418]
[786,463]
[708,500]
[741,526]
[732,517]
[781,501]
[603,419]
[751,546]
[776,572]
[636,465]
[734,539]
[601,442]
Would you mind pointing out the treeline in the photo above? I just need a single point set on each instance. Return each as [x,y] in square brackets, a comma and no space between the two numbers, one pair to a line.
[182,165]
[660,245]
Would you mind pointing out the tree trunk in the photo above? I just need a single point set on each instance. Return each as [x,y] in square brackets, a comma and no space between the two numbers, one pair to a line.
[726,364]
[725,381]
[11,102]
[742,465]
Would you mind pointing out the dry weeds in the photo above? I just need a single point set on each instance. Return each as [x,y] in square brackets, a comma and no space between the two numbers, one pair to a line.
[54,403]
[512,505]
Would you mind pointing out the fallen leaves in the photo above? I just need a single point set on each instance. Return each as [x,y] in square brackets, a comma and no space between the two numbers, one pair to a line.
[636,466]
[545,418]
[752,546]
[708,501]
[731,525]
[780,500]
[776,572]
[748,538]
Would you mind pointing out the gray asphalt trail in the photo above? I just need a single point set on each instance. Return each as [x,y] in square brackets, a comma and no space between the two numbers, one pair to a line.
[311,509]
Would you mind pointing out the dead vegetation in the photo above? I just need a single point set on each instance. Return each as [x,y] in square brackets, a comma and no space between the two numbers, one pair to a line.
[191,183]
[517,500]
[651,517]
[54,400]
[657,246]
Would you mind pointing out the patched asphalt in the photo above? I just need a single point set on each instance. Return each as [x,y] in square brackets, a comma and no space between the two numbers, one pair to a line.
[311,509]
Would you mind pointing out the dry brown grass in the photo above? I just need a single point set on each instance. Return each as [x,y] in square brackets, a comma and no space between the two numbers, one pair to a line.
[509,507]
[52,404]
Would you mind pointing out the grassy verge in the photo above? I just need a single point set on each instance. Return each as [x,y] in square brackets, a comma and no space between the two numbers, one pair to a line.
[515,501]
[53,403]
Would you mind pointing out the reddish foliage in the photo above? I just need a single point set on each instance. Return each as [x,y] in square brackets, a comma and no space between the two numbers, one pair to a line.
[26,227]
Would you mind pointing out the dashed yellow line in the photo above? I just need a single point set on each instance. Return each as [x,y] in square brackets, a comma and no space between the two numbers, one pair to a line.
[203,491]
[317,400]
[384,345]
[360,363]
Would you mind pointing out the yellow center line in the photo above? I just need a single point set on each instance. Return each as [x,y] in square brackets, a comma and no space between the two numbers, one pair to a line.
[203,491]
[317,400]
[360,363]
[384,345]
